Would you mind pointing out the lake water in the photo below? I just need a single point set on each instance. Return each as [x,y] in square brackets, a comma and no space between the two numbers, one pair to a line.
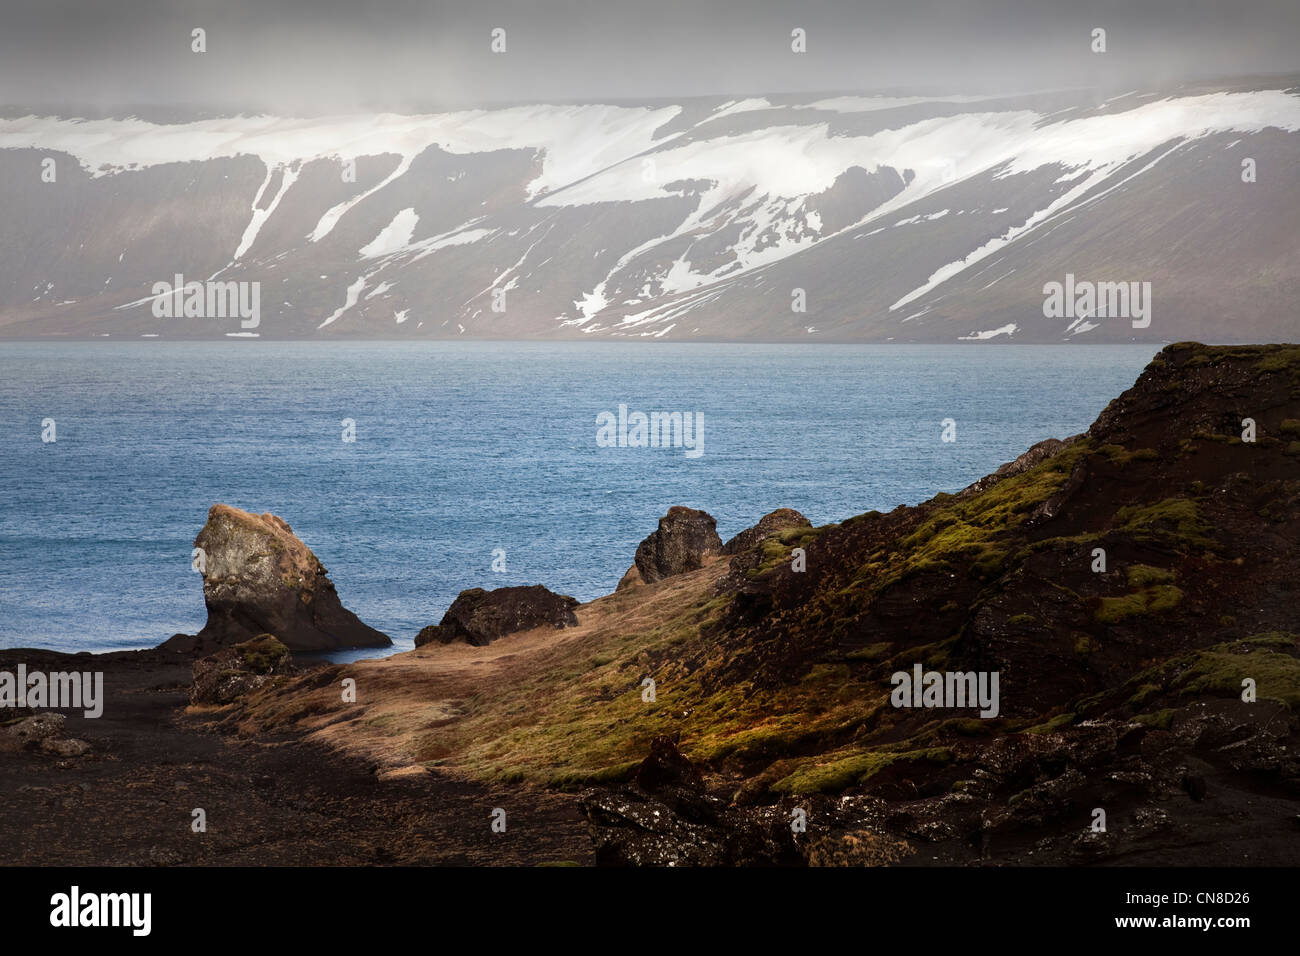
[462,448]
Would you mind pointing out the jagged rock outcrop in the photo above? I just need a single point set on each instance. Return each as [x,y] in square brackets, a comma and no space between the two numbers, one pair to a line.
[234,671]
[683,541]
[258,577]
[666,817]
[782,519]
[478,616]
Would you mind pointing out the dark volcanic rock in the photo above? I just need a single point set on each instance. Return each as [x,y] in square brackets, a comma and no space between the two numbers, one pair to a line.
[782,519]
[685,537]
[259,578]
[668,818]
[479,617]
[1123,585]
[234,671]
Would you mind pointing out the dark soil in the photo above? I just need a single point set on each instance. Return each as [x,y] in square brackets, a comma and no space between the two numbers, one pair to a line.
[269,801]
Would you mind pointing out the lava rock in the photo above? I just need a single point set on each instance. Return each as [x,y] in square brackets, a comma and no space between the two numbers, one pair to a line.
[666,817]
[30,731]
[234,671]
[479,617]
[684,539]
[258,577]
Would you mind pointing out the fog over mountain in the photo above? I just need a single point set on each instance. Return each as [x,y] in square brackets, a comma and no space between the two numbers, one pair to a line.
[325,57]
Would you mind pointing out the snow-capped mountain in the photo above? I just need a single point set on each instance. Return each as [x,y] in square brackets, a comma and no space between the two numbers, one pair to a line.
[862,218]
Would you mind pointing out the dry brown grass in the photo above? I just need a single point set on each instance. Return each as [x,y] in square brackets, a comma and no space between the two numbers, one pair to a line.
[544,704]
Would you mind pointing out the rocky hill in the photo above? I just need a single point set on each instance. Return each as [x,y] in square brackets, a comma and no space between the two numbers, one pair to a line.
[1131,590]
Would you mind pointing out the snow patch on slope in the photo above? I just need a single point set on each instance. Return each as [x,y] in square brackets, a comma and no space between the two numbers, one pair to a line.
[1007,330]
[260,216]
[395,237]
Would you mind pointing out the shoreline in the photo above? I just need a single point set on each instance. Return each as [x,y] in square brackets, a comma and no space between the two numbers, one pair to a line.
[682,718]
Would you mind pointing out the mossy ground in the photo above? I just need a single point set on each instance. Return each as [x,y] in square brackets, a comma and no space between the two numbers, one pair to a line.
[969,530]
[1271,659]
[1152,600]
[843,770]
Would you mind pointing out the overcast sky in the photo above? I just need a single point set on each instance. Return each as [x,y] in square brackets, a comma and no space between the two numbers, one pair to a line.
[312,56]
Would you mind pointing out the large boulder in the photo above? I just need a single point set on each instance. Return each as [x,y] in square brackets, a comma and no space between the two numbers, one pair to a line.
[234,671]
[782,519]
[684,540]
[479,617]
[259,578]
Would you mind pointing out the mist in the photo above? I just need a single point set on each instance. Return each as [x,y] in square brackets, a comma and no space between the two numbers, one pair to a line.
[308,57]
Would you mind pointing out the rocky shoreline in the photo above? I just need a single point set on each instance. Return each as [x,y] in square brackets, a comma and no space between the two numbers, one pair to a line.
[730,703]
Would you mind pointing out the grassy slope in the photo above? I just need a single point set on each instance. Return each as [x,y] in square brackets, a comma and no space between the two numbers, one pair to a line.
[780,683]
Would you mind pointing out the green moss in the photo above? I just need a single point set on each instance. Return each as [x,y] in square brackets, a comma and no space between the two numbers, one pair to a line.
[1144,693]
[1142,575]
[1291,426]
[1022,619]
[1160,720]
[1280,360]
[966,530]
[799,537]
[1270,659]
[1119,455]
[263,653]
[1173,520]
[603,776]
[1279,640]
[1051,726]
[776,549]
[872,652]
[1151,600]
[967,726]
[854,768]
[1220,671]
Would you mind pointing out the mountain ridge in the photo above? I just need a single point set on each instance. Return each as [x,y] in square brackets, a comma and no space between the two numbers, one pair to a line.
[882,218]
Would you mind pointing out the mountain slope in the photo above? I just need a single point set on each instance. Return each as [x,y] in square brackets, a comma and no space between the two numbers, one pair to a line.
[848,218]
